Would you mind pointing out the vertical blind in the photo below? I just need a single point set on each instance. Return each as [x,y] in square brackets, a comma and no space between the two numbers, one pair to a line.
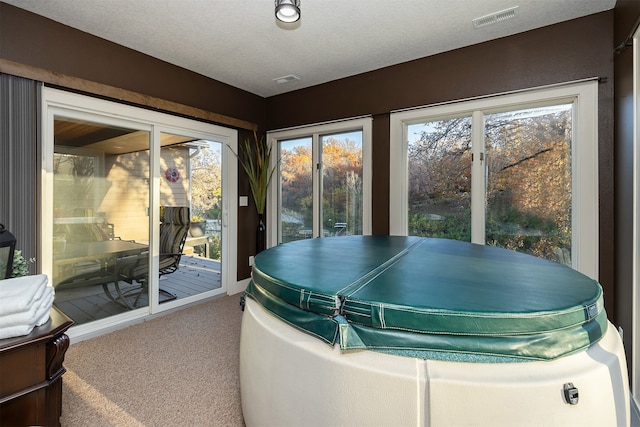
[20,163]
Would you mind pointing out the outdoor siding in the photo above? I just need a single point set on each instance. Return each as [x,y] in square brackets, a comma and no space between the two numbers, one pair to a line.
[127,198]
[174,193]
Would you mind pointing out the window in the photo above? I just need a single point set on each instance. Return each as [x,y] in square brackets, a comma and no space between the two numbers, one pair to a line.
[517,171]
[322,185]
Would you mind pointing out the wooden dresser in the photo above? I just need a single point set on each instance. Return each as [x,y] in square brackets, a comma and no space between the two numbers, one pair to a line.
[31,374]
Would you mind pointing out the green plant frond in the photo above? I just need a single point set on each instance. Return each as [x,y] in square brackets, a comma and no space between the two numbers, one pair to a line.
[255,161]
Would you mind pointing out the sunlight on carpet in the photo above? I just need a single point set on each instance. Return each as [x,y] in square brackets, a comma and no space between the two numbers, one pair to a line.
[180,369]
[96,408]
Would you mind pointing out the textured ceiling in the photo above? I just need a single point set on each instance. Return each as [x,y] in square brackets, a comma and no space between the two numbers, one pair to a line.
[239,42]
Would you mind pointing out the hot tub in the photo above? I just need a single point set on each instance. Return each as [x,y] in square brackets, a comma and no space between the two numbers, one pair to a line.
[391,330]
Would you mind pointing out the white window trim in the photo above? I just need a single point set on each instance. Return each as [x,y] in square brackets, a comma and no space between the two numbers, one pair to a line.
[635,346]
[59,102]
[315,131]
[584,157]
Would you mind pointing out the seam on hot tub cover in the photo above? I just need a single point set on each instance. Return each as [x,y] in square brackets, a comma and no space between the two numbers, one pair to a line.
[327,301]
[369,277]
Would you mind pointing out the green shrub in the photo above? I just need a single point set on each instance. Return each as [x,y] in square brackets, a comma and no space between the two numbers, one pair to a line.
[21,265]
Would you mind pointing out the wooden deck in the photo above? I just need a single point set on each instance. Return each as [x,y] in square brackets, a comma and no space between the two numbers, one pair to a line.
[89,303]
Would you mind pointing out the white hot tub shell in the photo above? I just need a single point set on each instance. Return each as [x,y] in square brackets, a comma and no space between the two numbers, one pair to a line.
[412,331]
[290,378]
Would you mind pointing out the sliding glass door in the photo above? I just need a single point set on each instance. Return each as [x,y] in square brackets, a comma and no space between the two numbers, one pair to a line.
[190,180]
[100,215]
[136,212]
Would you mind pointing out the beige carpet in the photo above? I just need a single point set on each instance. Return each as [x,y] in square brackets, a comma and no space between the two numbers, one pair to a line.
[176,370]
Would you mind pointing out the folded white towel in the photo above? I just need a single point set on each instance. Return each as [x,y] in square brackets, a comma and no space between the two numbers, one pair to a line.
[15,331]
[19,324]
[18,294]
[44,315]
[33,313]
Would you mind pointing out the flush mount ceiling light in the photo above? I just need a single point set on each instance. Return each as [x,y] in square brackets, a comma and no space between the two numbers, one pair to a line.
[286,79]
[288,10]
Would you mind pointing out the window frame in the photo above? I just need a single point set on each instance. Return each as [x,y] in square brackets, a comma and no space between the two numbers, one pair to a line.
[584,160]
[315,132]
[635,330]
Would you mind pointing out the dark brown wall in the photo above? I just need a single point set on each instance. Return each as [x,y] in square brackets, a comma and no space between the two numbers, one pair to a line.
[626,14]
[572,50]
[32,40]
[568,51]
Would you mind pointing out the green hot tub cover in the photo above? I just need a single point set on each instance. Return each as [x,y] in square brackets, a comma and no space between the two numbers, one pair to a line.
[431,298]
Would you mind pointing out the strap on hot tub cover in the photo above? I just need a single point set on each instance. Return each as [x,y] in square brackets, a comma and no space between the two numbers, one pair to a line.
[321,326]
[538,346]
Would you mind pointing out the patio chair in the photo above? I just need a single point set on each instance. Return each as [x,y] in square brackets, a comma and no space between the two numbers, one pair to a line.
[173,233]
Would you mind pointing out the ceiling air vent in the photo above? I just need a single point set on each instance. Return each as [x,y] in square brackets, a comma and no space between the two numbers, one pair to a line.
[494,18]
[286,79]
